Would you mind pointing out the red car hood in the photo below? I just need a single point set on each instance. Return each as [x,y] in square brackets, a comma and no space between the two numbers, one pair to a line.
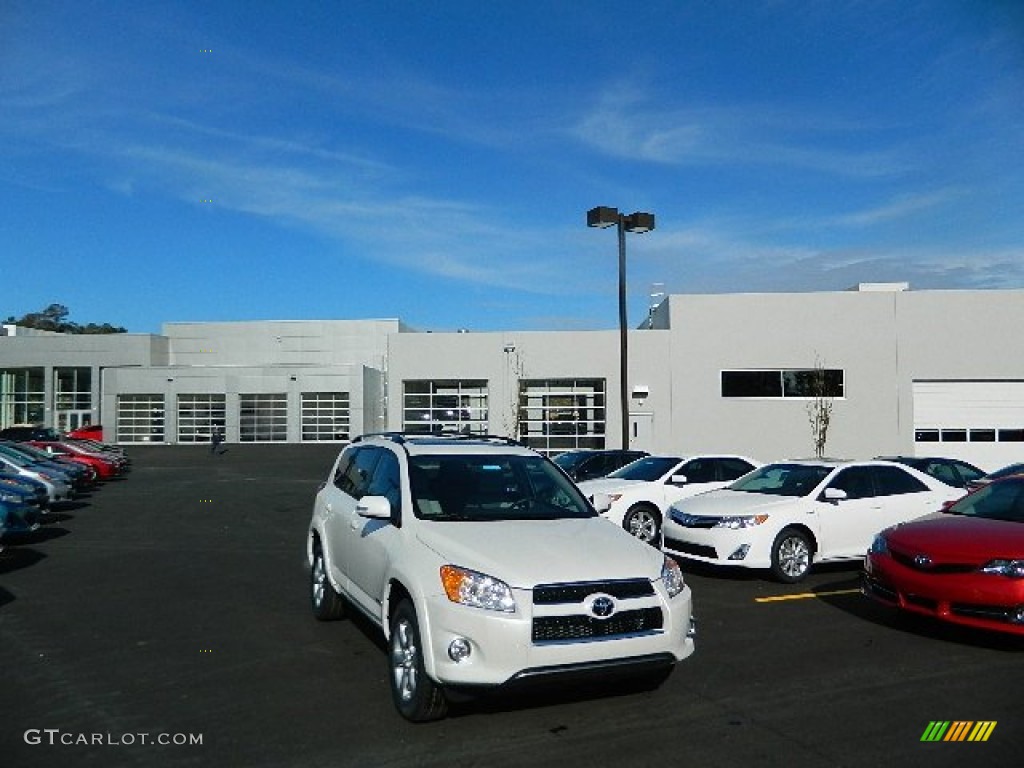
[963,539]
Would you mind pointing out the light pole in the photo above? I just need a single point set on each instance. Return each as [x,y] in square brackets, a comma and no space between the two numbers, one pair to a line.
[603,217]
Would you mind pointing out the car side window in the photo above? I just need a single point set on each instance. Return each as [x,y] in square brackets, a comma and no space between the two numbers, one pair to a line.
[357,474]
[698,471]
[733,469]
[855,481]
[590,468]
[387,482]
[892,481]
[341,472]
[943,472]
[968,472]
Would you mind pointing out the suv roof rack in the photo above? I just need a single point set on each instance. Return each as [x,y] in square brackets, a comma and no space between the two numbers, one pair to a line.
[404,437]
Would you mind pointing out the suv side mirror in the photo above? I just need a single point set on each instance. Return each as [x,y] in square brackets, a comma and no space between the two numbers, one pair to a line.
[678,480]
[834,494]
[602,502]
[375,507]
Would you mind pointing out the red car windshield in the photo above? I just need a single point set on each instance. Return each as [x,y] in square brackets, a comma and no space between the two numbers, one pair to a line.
[1001,500]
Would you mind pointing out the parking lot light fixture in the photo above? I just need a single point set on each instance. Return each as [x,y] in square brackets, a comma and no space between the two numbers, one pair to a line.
[638,222]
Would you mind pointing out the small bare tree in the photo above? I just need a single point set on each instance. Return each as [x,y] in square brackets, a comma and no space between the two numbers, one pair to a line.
[514,373]
[819,409]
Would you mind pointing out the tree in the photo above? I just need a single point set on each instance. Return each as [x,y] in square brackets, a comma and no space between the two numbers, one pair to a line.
[513,382]
[819,409]
[54,318]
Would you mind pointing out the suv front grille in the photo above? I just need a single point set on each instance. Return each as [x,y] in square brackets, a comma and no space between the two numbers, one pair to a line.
[622,589]
[547,629]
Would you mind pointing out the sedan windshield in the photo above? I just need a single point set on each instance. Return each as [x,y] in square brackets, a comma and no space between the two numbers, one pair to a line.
[783,479]
[484,488]
[1002,500]
[647,469]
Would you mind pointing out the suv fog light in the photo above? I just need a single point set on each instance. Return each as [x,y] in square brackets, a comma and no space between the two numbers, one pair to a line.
[692,631]
[1017,615]
[740,553]
[459,649]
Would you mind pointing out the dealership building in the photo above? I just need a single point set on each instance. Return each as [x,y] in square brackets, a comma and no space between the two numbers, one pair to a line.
[905,372]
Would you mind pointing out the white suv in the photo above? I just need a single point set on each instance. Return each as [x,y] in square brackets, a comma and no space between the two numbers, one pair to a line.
[485,566]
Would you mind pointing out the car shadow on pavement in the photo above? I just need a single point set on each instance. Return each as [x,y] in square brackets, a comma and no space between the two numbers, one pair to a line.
[549,694]
[5,596]
[55,517]
[14,558]
[41,534]
[837,595]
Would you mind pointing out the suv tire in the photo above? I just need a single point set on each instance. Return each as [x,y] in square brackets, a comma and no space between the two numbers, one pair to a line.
[327,604]
[417,697]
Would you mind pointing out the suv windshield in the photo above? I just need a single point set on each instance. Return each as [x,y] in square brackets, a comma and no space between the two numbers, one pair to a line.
[648,469]
[783,479]
[492,487]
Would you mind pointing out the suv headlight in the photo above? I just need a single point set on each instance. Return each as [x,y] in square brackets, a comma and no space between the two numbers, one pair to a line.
[880,545]
[735,522]
[672,577]
[1014,569]
[477,589]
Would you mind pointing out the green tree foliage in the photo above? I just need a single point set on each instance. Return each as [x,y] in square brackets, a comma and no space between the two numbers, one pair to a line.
[55,318]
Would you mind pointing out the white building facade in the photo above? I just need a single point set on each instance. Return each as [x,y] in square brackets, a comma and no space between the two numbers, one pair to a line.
[905,372]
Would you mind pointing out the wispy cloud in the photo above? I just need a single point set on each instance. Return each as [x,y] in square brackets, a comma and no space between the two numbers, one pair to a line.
[746,135]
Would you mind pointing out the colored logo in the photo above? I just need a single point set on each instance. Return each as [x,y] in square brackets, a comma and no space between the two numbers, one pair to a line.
[958,730]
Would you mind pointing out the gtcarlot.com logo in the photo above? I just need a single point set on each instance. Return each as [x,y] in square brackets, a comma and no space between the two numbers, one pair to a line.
[958,730]
[56,737]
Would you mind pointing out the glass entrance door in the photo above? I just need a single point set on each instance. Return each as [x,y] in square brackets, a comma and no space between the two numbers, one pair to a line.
[68,420]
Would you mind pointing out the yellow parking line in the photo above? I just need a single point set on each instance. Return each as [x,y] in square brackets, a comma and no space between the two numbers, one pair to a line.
[805,595]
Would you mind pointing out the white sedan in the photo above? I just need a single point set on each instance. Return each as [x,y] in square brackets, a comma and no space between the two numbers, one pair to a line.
[786,516]
[638,496]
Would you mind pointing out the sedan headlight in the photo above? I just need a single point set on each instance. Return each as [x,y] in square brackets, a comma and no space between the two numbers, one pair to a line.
[880,545]
[735,522]
[1014,569]
[672,577]
[477,589]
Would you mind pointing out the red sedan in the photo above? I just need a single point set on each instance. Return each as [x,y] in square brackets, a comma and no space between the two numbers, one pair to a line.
[965,565]
[105,467]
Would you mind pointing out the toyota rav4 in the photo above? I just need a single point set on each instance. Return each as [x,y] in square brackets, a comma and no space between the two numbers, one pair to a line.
[484,566]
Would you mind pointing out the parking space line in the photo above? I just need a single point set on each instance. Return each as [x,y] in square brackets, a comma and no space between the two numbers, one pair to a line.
[805,595]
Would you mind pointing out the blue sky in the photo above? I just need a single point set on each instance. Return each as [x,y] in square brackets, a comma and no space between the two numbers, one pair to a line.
[434,161]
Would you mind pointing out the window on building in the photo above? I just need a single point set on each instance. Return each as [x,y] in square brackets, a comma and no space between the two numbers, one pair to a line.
[557,415]
[263,417]
[22,396]
[789,382]
[199,415]
[72,388]
[140,419]
[325,417]
[965,434]
[445,406]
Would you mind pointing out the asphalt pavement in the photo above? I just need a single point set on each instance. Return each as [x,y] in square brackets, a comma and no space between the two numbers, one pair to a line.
[164,620]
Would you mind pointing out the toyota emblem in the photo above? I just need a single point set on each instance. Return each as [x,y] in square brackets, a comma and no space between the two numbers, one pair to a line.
[602,606]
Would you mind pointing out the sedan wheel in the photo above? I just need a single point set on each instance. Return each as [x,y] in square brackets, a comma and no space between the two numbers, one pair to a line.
[791,556]
[644,522]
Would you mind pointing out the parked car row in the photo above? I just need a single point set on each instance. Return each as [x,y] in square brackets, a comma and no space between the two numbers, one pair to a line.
[41,469]
[938,536]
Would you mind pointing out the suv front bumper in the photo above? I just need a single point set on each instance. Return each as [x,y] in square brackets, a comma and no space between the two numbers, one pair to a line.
[503,650]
